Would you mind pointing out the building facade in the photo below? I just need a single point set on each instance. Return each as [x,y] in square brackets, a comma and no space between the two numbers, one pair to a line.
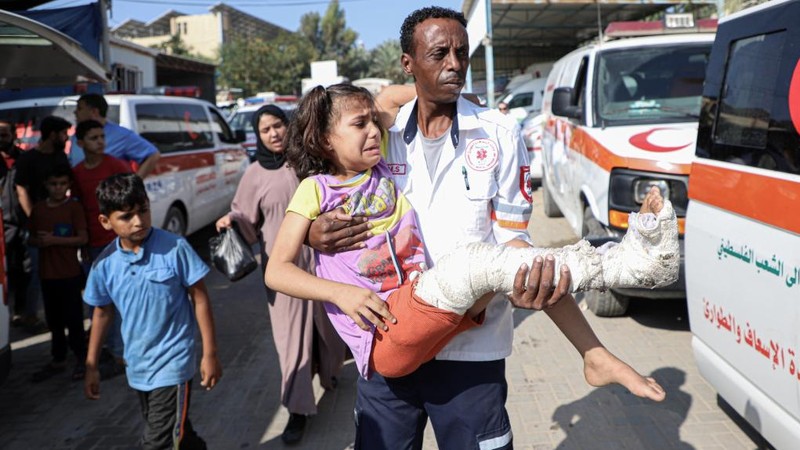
[201,34]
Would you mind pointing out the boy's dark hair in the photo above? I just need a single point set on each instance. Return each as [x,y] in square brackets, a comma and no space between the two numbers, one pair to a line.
[58,171]
[121,192]
[421,15]
[306,139]
[95,101]
[83,127]
[52,124]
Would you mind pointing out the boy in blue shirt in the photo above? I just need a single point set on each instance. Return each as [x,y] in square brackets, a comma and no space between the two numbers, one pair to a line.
[155,280]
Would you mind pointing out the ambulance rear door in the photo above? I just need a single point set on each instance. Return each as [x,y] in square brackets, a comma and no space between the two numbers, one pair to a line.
[743,221]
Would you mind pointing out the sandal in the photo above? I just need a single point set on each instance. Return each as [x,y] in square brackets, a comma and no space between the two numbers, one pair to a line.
[48,371]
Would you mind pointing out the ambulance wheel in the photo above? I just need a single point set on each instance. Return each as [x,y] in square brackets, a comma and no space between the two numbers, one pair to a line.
[606,304]
[548,205]
[591,226]
[175,222]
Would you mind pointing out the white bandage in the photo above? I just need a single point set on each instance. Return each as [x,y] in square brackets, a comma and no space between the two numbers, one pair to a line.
[648,256]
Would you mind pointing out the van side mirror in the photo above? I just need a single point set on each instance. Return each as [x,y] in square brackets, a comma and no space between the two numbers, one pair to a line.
[239,135]
[562,104]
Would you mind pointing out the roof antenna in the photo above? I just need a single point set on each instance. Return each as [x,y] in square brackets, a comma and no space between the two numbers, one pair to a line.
[599,24]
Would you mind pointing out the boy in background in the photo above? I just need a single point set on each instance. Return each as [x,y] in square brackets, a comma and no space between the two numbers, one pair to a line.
[96,167]
[58,229]
[155,280]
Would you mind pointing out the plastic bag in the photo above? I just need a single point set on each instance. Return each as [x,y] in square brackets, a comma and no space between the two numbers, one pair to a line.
[231,255]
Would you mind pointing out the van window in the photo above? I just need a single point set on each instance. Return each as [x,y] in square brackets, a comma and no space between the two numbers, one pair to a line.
[197,132]
[241,120]
[653,84]
[753,124]
[220,126]
[174,127]
[580,84]
[521,100]
[160,124]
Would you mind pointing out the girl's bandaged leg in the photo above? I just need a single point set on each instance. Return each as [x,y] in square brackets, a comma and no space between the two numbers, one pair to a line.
[648,256]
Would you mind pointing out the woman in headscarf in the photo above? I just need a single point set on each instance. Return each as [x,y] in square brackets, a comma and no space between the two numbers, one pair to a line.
[304,337]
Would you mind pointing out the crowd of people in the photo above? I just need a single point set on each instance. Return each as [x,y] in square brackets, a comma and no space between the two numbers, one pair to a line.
[361,207]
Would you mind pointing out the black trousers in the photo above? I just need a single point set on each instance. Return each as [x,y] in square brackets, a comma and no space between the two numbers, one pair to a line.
[63,308]
[166,416]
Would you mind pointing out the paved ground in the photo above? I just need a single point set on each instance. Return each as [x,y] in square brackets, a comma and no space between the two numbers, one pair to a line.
[551,406]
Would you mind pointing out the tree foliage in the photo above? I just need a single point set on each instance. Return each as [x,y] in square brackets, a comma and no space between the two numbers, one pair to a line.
[279,64]
[257,66]
[173,46]
[385,62]
[333,40]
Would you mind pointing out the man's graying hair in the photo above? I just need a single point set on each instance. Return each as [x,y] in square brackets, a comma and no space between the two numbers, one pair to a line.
[419,16]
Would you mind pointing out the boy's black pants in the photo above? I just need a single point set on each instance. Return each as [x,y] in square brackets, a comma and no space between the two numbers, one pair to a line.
[166,416]
[63,308]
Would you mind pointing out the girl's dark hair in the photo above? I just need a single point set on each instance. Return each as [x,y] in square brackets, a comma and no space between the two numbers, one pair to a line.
[306,139]
[121,192]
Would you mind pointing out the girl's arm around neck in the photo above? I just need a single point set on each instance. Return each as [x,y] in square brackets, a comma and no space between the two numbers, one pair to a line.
[283,275]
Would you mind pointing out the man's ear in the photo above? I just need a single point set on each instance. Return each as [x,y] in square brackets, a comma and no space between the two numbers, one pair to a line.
[407,63]
[105,222]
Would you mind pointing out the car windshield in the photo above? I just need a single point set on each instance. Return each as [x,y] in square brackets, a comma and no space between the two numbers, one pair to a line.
[650,84]
[241,120]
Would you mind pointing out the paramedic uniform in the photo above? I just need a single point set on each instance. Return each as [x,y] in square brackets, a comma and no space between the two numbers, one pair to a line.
[476,194]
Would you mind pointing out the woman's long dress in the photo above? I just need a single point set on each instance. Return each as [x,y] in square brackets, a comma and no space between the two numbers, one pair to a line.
[304,337]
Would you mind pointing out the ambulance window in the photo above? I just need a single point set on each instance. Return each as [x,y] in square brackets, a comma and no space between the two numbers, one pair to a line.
[580,84]
[753,123]
[220,126]
[161,124]
[521,100]
[196,129]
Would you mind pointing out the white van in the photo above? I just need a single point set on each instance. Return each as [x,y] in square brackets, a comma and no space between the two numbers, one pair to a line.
[743,221]
[201,163]
[525,99]
[621,117]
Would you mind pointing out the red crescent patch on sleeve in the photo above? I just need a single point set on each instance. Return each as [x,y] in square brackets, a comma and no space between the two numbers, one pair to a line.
[525,183]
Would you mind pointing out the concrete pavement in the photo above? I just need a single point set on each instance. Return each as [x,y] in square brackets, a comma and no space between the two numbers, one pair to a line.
[550,404]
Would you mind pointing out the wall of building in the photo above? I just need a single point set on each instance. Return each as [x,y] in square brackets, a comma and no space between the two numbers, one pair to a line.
[150,41]
[199,33]
[146,64]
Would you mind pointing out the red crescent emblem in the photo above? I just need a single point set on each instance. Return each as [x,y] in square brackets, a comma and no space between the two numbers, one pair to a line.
[794,98]
[640,141]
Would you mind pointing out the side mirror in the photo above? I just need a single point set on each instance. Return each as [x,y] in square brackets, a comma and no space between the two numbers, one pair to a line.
[562,104]
[239,135]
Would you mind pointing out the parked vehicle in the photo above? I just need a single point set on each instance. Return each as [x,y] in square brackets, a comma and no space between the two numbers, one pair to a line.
[38,48]
[619,118]
[202,159]
[241,122]
[743,221]
[532,135]
[525,99]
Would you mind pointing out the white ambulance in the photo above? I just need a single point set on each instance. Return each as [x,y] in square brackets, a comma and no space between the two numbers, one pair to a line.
[743,221]
[201,163]
[620,117]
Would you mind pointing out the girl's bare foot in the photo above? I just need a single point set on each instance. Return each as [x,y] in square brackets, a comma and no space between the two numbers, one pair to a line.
[602,368]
